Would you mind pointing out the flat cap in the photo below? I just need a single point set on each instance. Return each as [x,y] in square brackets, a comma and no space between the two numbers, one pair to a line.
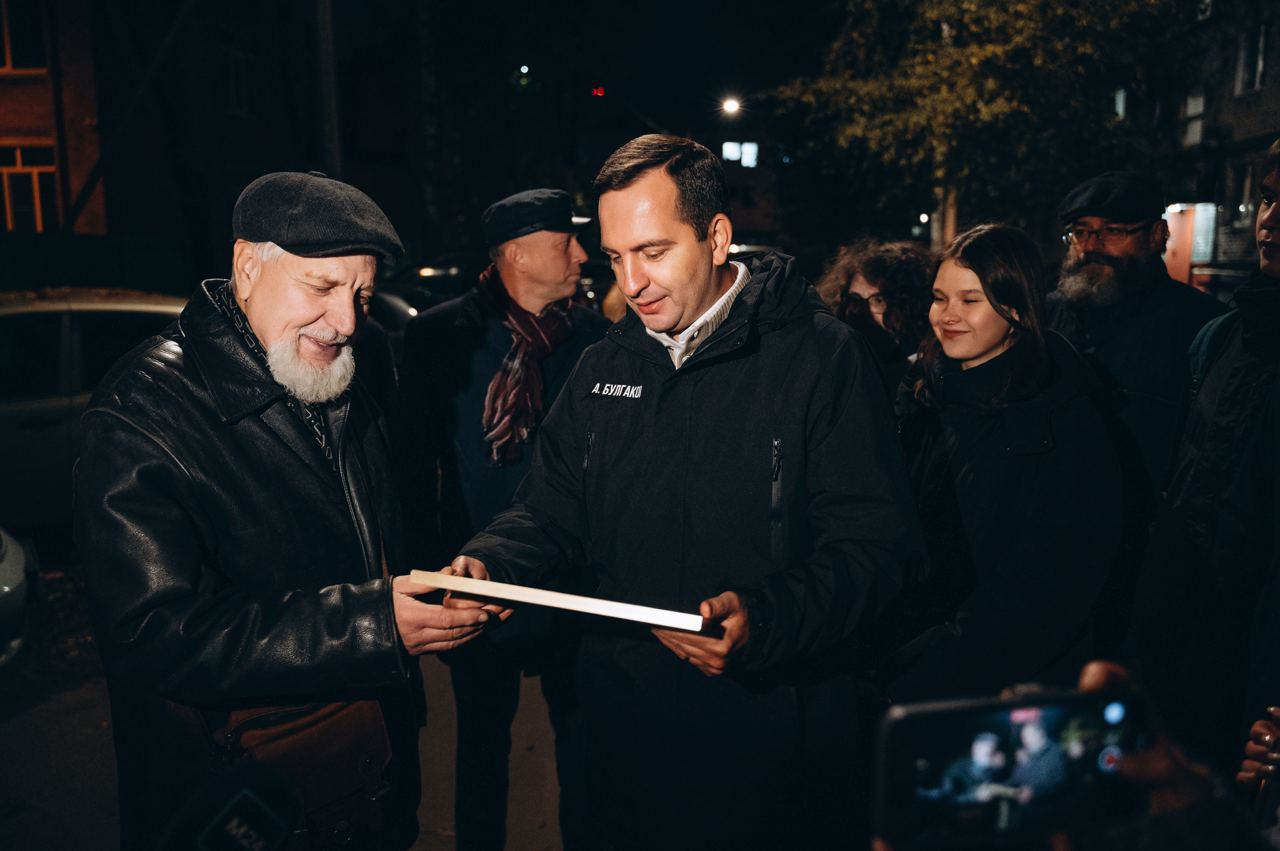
[528,212]
[311,215]
[1121,196]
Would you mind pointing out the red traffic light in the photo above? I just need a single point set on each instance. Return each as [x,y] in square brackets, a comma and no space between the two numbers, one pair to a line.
[597,91]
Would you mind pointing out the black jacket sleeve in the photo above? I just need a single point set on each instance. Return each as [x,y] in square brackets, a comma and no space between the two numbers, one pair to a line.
[168,617]
[865,536]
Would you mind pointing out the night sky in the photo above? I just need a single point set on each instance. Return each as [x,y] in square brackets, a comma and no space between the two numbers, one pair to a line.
[435,90]
[669,61]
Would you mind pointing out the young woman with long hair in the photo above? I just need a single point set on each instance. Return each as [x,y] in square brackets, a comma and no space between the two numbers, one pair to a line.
[1019,481]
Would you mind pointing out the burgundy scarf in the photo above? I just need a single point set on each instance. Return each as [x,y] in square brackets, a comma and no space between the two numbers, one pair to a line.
[513,402]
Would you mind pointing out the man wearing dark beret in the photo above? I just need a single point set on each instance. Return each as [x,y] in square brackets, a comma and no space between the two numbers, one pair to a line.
[479,374]
[1116,302]
[241,540]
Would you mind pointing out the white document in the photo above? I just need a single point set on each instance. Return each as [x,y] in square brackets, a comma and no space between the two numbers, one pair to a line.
[558,600]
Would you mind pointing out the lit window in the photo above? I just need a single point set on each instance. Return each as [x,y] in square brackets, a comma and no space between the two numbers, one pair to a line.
[1250,55]
[22,31]
[1122,96]
[1193,119]
[750,154]
[28,182]
[731,151]
[1202,233]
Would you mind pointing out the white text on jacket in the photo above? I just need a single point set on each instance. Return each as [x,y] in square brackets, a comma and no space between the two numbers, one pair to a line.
[630,391]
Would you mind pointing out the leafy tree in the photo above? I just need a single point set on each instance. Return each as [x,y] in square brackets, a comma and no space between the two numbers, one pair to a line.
[1007,103]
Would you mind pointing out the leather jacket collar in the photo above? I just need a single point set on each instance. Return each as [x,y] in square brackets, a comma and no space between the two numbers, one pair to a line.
[239,382]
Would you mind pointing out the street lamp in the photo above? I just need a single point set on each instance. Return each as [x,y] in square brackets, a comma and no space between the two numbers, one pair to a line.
[730,106]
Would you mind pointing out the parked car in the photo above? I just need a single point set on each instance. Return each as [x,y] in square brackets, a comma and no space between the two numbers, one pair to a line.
[17,587]
[55,346]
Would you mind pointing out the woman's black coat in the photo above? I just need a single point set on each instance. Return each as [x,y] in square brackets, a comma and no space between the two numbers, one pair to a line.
[1035,542]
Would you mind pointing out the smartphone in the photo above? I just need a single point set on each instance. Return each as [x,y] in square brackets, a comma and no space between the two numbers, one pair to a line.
[991,772]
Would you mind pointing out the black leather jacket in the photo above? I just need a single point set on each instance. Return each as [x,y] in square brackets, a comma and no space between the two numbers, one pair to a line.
[227,563]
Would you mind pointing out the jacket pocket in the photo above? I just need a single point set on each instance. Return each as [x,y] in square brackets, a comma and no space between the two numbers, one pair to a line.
[775,501]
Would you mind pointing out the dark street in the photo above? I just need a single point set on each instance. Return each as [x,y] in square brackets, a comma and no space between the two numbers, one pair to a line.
[848,424]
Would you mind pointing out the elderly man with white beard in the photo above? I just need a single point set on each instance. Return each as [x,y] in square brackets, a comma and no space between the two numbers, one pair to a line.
[241,540]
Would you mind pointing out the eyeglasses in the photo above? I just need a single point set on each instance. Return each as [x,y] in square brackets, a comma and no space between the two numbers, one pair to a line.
[874,302]
[1107,235]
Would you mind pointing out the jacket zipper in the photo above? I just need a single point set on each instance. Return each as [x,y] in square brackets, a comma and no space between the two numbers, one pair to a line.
[716,340]
[231,739]
[355,521]
[775,502]
[344,482]
[586,456]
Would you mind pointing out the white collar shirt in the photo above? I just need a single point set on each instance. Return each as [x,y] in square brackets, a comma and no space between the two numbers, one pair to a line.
[681,346]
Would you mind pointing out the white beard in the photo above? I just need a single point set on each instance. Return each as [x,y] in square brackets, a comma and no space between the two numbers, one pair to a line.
[307,383]
[1104,280]
[1090,287]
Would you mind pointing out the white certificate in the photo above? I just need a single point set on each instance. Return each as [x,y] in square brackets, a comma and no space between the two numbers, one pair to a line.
[558,600]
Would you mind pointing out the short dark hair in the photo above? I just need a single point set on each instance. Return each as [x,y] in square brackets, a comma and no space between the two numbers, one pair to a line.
[1011,271]
[697,172]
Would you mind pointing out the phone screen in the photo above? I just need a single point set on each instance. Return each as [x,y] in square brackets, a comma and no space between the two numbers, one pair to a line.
[960,773]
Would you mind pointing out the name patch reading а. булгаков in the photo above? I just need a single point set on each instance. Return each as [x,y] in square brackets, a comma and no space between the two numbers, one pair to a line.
[628,391]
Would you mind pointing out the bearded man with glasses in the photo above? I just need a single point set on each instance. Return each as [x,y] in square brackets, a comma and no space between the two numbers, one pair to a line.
[1116,302]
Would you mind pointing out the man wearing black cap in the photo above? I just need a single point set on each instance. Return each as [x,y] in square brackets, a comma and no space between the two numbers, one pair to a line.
[1116,301]
[240,532]
[479,373]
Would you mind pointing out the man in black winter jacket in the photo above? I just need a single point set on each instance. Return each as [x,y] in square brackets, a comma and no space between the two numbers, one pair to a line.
[1116,302]
[1208,630]
[725,449]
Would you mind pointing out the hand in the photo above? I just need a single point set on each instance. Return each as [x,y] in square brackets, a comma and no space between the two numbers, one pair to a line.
[467,566]
[710,654]
[1260,760]
[1172,781]
[475,569]
[425,628]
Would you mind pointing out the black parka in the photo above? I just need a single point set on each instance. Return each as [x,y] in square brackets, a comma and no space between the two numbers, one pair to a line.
[1141,343]
[227,563]
[1050,505]
[1207,628]
[766,464]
